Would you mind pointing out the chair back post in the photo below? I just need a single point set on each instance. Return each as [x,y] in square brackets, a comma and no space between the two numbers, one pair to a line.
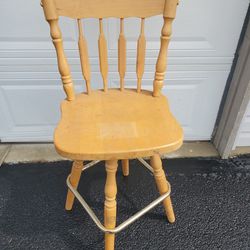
[161,64]
[56,35]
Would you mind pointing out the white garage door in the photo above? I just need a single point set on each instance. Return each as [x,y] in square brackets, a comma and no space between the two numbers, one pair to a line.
[201,53]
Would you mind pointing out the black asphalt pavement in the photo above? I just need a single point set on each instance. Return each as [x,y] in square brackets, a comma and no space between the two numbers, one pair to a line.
[211,199]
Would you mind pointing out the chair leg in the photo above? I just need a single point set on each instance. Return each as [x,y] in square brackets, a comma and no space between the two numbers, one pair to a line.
[74,179]
[162,186]
[110,202]
[125,167]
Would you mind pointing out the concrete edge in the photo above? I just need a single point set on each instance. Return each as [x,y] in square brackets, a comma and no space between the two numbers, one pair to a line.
[45,152]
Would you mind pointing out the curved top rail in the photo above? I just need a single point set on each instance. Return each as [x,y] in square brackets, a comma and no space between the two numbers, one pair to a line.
[108,8]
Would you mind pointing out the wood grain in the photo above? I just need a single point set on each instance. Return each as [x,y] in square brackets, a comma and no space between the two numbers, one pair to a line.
[84,57]
[140,61]
[74,180]
[110,203]
[168,16]
[50,10]
[125,167]
[116,125]
[51,16]
[109,8]
[63,65]
[170,8]
[122,54]
[162,186]
[161,63]
[103,56]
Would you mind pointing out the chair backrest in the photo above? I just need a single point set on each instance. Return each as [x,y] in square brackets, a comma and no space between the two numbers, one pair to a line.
[100,9]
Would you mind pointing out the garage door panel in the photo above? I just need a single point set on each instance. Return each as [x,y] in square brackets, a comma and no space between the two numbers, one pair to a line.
[27,28]
[200,57]
[20,100]
[190,98]
[200,28]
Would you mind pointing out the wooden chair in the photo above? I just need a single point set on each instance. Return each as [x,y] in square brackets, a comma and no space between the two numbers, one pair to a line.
[114,124]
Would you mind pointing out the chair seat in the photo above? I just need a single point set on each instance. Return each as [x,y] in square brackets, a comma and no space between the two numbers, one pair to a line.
[116,125]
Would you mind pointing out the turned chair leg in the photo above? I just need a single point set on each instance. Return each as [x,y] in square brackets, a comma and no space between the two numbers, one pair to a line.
[162,186]
[110,203]
[125,167]
[74,180]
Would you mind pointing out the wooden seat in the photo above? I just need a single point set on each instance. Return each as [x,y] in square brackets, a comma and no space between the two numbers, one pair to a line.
[114,124]
[117,124]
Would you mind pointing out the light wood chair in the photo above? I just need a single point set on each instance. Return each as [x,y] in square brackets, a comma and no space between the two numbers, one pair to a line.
[114,124]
